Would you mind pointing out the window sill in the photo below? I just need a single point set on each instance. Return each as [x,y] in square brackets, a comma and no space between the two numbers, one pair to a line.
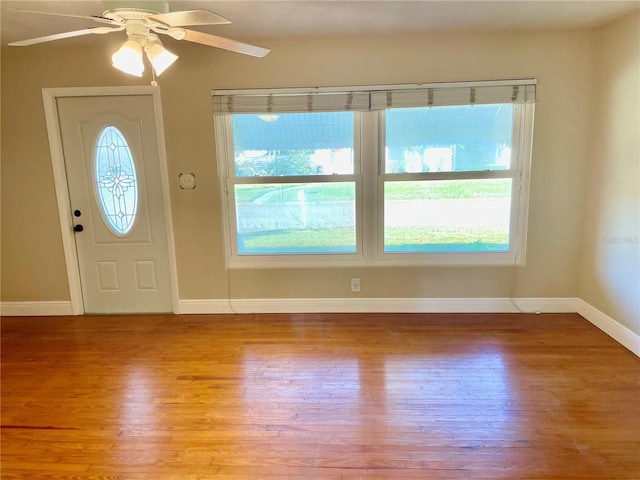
[383,260]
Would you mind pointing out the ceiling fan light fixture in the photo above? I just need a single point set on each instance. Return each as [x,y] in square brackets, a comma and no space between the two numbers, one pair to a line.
[128,58]
[139,23]
[159,57]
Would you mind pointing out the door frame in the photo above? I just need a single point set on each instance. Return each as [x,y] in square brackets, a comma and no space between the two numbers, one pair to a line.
[49,97]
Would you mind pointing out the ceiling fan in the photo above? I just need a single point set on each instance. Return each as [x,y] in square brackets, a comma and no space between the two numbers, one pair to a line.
[142,26]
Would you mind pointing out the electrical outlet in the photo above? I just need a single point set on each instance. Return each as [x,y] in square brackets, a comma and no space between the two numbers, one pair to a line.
[355,284]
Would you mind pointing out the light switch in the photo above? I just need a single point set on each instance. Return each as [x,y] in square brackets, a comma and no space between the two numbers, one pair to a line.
[187,181]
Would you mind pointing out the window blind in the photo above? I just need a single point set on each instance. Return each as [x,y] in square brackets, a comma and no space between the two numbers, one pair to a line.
[373,98]
[438,96]
[291,103]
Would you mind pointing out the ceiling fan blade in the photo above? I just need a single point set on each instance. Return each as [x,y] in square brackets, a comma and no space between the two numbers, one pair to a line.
[60,36]
[94,18]
[224,43]
[189,17]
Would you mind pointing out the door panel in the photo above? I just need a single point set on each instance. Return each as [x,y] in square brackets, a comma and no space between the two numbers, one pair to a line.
[124,272]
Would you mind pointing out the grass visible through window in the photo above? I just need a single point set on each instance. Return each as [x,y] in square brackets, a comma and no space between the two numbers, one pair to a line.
[285,202]
[448,189]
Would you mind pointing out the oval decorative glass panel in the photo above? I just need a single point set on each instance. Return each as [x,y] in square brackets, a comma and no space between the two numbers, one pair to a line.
[115,180]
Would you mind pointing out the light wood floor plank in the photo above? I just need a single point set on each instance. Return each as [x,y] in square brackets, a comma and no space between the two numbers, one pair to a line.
[318,396]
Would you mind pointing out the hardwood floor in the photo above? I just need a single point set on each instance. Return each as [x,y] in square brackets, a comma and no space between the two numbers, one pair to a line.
[317,396]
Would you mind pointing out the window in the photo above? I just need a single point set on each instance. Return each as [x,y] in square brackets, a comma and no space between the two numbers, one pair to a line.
[447,179]
[115,181]
[407,175]
[294,183]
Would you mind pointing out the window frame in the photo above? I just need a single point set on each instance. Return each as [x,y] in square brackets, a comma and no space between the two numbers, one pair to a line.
[369,177]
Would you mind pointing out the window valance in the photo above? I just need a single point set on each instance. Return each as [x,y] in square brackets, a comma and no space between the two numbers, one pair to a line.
[333,99]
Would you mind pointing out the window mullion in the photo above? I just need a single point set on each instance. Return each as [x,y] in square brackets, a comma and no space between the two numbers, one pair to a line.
[294,179]
[367,200]
[465,175]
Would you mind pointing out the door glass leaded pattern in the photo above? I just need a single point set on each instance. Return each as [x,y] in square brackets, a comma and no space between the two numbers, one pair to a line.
[115,180]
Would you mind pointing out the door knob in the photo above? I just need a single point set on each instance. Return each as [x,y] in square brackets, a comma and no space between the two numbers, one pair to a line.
[78,228]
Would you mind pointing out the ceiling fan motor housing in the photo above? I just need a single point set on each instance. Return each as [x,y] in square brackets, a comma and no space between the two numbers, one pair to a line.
[138,30]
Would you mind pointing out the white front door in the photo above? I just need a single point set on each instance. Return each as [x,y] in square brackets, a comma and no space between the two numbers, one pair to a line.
[110,148]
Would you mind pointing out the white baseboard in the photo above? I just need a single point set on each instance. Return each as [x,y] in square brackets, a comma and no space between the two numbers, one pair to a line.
[369,305]
[608,325]
[35,309]
[326,305]
[204,306]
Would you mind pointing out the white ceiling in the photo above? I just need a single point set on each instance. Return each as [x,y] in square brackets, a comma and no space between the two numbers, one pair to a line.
[265,19]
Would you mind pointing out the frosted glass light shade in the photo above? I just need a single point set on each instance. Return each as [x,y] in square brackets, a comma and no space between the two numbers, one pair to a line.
[129,58]
[160,58]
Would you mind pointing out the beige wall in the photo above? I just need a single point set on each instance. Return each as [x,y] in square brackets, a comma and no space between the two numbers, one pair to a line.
[562,61]
[610,275]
